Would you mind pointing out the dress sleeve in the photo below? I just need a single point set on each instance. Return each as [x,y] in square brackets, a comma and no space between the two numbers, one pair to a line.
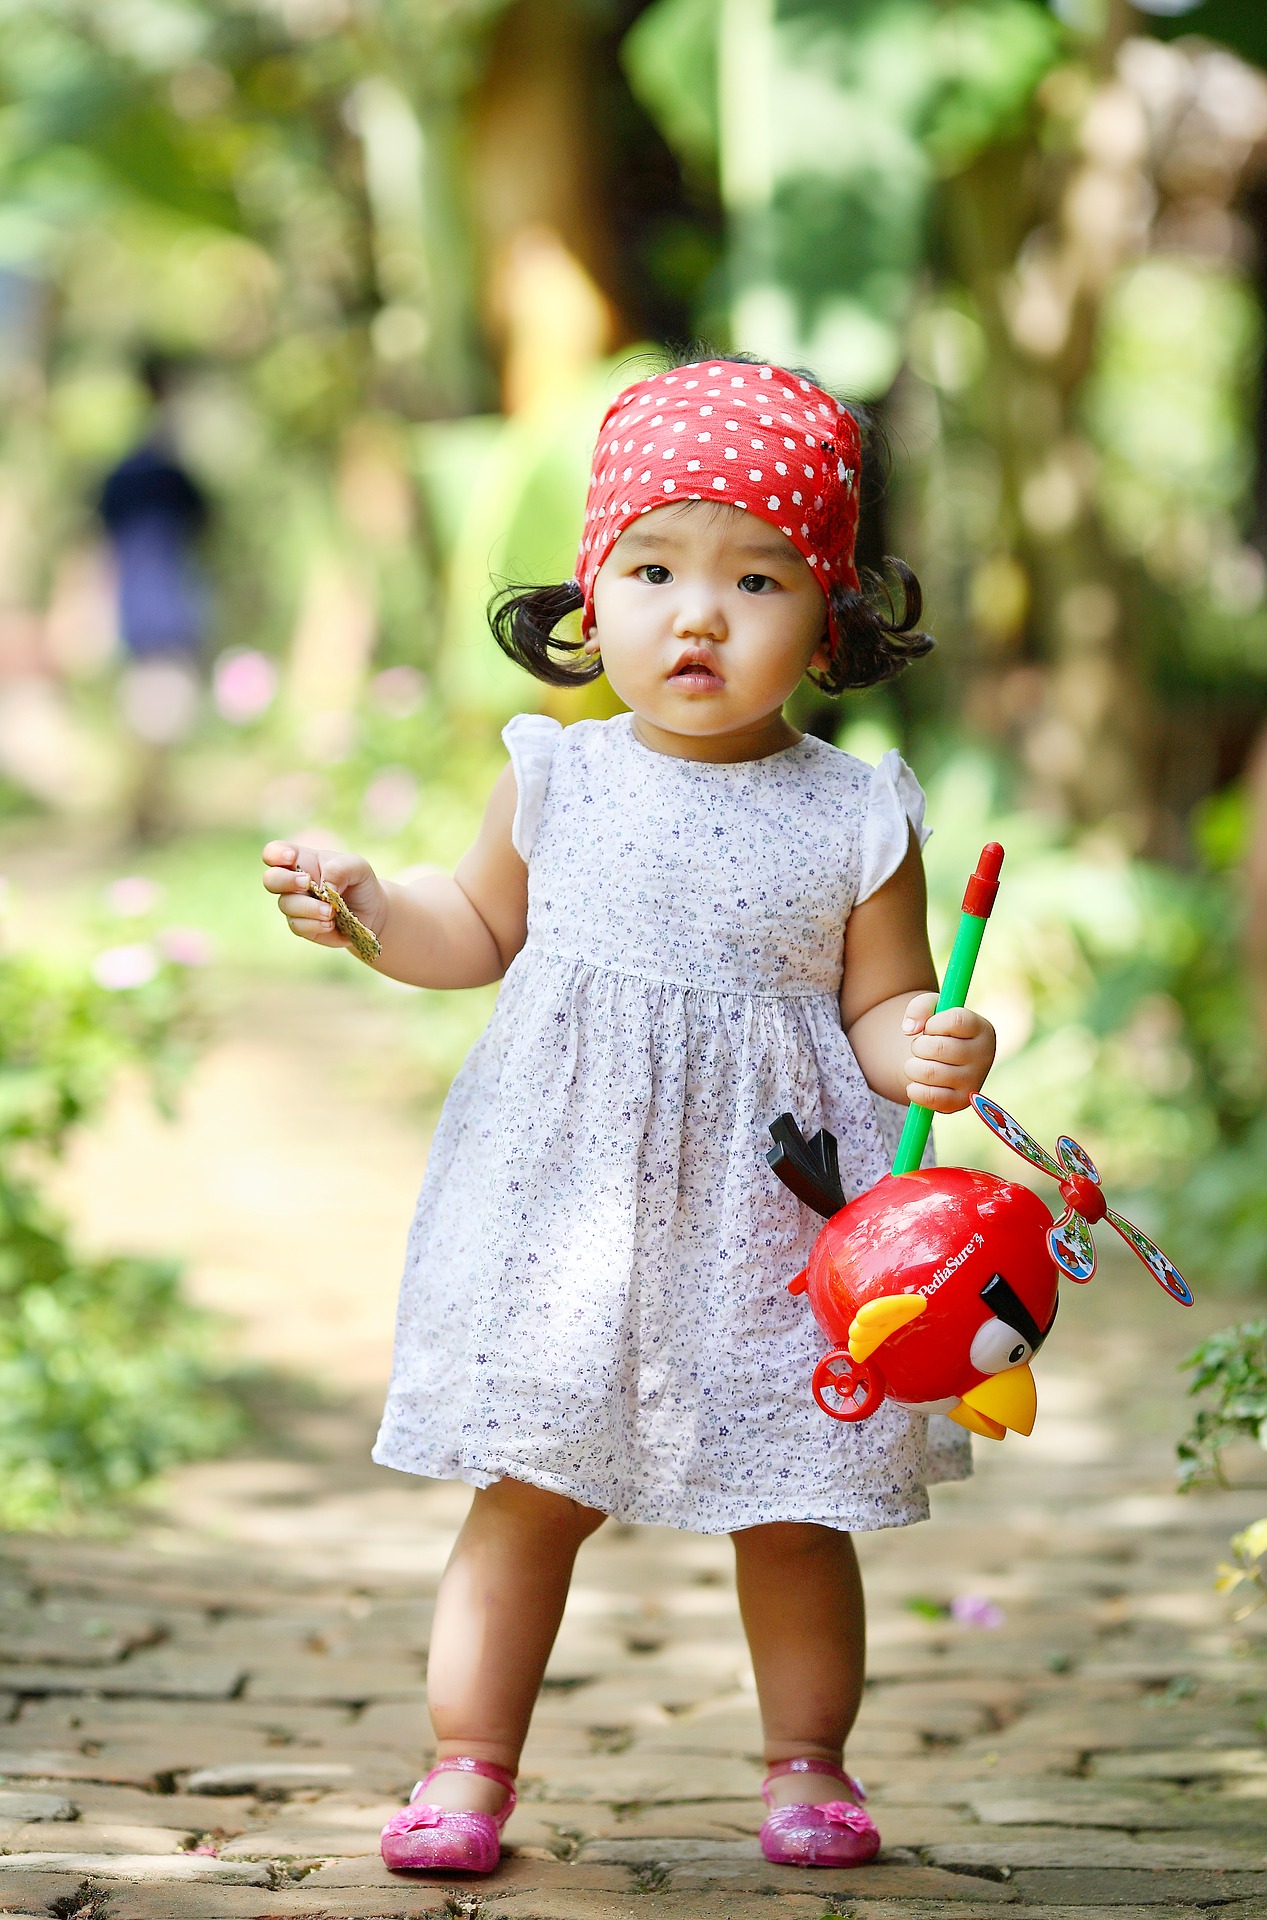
[531,739]
[895,805]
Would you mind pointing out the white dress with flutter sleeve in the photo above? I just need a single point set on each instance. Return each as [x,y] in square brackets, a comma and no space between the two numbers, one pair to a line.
[595,1296]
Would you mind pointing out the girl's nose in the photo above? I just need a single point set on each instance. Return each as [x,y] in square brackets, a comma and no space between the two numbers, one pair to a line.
[699,617]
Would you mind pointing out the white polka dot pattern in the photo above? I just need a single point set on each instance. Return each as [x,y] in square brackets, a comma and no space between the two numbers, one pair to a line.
[797,415]
[595,1297]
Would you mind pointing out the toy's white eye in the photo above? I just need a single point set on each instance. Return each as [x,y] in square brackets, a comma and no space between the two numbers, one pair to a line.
[996,1346]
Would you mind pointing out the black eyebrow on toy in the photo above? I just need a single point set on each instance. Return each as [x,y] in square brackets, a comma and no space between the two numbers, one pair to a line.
[808,1168]
[1008,1307]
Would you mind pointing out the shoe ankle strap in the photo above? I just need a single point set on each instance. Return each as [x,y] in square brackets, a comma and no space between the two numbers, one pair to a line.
[784,1767]
[466,1763]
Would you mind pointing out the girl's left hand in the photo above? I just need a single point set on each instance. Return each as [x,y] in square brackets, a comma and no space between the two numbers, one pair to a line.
[951,1054]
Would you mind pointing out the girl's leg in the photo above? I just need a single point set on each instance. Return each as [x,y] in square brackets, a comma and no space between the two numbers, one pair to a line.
[800,1595]
[497,1613]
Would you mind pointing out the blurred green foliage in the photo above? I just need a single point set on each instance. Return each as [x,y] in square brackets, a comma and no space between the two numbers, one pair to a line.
[106,1372]
[1117,988]
[1239,24]
[1232,1367]
[827,128]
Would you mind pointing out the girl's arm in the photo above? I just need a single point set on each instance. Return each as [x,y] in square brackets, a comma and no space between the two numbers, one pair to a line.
[442,930]
[907,1052]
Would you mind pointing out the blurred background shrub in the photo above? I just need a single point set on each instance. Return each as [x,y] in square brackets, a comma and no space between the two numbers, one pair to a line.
[105,1372]
[308,312]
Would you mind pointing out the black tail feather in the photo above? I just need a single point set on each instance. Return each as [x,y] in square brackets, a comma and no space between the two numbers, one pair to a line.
[808,1168]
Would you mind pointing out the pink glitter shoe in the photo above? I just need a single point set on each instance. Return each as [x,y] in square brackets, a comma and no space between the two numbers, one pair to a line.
[426,1838]
[835,1834]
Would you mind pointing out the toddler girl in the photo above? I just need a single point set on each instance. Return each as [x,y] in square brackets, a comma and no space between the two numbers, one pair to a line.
[702,919]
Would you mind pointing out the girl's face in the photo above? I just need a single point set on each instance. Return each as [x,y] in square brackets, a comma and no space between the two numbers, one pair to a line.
[706,618]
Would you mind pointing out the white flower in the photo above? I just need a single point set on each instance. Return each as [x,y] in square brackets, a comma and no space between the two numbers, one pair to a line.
[118,968]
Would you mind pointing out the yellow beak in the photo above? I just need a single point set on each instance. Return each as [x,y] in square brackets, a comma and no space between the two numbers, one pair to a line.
[1004,1400]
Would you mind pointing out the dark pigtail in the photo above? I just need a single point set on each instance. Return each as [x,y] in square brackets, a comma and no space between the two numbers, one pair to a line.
[871,640]
[523,620]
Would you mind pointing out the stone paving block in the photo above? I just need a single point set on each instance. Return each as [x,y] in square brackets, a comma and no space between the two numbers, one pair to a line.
[44,1764]
[625,1777]
[1015,1848]
[28,1807]
[192,1812]
[154,1763]
[130,1866]
[1124,1725]
[920,1827]
[324,1828]
[74,1633]
[180,1901]
[655,1906]
[571,1741]
[393,1719]
[943,1779]
[513,1875]
[93,1837]
[1085,1804]
[940,1910]
[104,1719]
[256,1775]
[951,1710]
[168,1677]
[872,1745]
[704,1864]
[1193,1763]
[327,1681]
[1123,1887]
[551,1823]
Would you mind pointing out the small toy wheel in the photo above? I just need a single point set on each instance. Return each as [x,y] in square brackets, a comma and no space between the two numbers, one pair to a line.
[845,1388]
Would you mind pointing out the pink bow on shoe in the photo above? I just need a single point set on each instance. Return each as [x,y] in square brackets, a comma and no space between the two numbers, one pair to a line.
[842,1813]
[413,1818]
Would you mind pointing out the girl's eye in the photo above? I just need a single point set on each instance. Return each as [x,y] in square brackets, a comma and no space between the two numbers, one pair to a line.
[756,583]
[655,576]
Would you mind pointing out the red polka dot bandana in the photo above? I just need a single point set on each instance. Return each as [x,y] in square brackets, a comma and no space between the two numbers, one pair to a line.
[747,436]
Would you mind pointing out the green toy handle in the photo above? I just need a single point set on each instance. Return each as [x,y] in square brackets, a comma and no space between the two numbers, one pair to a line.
[978,900]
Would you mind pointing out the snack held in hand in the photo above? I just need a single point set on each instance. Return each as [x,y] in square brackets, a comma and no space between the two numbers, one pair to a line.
[939,1286]
[364,944]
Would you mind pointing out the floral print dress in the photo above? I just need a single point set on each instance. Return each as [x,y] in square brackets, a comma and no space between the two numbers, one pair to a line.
[595,1296]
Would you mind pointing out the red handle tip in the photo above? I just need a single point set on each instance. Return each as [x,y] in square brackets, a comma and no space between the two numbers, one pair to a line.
[981,890]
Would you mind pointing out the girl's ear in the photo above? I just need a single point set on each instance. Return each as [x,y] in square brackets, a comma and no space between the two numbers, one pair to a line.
[820,660]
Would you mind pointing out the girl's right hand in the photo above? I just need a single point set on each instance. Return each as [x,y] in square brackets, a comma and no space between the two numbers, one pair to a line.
[286,870]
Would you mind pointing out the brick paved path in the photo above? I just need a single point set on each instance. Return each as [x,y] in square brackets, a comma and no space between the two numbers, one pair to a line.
[214,1716]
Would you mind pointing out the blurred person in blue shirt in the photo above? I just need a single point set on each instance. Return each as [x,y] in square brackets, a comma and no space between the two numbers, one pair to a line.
[155,514]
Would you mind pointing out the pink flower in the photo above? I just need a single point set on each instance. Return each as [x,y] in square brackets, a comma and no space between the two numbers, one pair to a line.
[390,799]
[244,685]
[974,1610]
[133,896]
[187,946]
[119,968]
[399,691]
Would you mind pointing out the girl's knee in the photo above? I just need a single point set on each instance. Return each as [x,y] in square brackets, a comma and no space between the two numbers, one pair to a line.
[790,1539]
[539,1510]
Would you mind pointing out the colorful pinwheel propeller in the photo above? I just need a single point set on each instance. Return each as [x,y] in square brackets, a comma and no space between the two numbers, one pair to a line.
[1069,1241]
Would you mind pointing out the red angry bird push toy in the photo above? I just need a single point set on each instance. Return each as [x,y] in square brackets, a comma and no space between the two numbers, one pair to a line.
[937,1287]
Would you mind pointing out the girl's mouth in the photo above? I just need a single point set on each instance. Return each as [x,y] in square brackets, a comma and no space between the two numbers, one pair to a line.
[695,673]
